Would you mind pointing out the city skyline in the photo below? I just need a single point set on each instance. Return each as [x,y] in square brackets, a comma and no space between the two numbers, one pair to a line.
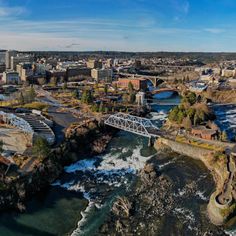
[125,25]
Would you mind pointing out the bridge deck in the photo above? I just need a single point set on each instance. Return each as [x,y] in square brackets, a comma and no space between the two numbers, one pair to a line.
[133,124]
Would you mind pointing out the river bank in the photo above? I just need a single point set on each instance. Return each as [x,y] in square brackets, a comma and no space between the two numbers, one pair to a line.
[60,210]
[221,204]
[156,205]
[87,140]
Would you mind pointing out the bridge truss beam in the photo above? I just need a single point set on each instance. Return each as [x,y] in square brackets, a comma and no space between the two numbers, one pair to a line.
[133,124]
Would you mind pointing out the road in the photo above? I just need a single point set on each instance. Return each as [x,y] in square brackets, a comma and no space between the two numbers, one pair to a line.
[61,115]
[62,120]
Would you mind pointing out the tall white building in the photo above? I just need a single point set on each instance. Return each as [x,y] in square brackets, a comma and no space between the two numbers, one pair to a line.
[9,54]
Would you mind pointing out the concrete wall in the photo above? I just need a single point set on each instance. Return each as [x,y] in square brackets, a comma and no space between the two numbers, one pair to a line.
[185,149]
[216,212]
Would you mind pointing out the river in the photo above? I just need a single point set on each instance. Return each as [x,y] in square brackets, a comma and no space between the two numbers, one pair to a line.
[78,203]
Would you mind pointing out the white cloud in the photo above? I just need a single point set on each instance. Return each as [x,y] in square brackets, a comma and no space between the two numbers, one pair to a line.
[11,11]
[214,30]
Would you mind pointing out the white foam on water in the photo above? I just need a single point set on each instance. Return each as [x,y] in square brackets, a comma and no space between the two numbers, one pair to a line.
[187,217]
[162,166]
[113,165]
[201,195]
[181,192]
[160,116]
[84,215]
[82,165]
[109,169]
[231,232]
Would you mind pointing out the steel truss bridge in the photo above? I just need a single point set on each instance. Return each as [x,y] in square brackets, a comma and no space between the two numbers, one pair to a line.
[133,124]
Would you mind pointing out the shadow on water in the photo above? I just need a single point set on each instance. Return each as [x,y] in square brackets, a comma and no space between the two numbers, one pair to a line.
[54,212]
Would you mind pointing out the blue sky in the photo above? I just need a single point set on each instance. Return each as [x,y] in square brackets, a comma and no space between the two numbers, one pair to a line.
[123,25]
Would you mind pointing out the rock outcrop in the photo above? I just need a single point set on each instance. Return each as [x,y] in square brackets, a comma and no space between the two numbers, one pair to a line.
[86,140]
[143,210]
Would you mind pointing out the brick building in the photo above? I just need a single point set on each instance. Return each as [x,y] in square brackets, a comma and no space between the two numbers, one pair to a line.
[138,84]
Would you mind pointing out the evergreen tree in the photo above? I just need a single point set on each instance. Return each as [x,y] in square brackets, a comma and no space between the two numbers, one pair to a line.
[116,87]
[187,123]
[75,94]
[132,98]
[101,108]
[180,116]
[196,119]
[106,110]
[41,148]
[173,114]
[106,89]
[130,87]
[31,94]
[21,99]
[95,107]
[86,97]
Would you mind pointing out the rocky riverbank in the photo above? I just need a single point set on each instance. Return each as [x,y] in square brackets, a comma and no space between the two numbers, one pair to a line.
[221,206]
[144,210]
[86,140]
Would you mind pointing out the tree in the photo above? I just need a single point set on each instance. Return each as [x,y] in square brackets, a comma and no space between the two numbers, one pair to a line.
[224,136]
[106,89]
[191,97]
[31,94]
[75,94]
[180,116]
[95,107]
[64,87]
[196,119]
[132,98]
[101,108]
[106,109]
[191,112]
[21,99]
[173,114]
[41,148]
[130,87]
[187,123]
[116,87]
[87,97]
[125,97]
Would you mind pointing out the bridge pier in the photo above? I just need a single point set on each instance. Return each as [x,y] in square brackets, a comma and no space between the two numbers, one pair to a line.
[151,141]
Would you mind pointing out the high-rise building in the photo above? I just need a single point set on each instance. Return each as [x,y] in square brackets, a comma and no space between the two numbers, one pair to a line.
[2,57]
[94,64]
[9,54]
[102,74]
[15,60]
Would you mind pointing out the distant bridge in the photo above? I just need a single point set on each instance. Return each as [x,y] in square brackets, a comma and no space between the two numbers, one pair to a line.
[133,124]
[153,79]
[175,66]
[161,90]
